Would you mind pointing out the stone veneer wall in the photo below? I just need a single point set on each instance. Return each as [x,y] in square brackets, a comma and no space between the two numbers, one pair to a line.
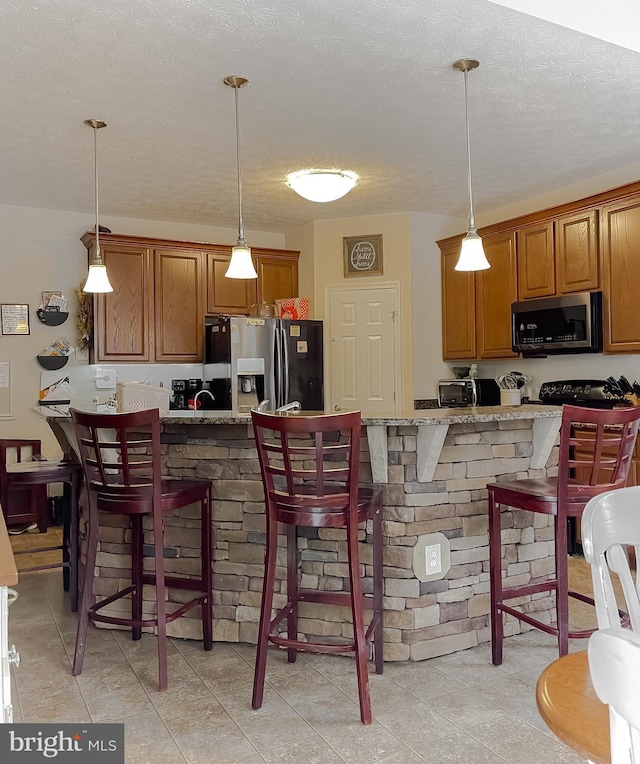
[421,620]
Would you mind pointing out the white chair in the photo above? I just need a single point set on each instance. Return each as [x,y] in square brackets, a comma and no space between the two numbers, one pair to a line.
[614,663]
[610,527]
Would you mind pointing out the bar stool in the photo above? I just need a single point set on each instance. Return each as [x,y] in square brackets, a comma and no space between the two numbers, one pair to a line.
[309,467]
[23,497]
[120,456]
[596,448]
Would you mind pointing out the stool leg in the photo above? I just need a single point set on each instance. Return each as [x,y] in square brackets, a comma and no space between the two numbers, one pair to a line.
[74,552]
[87,593]
[206,543]
[378,587]
[137,563]
[265,614]
[358,623]
[495,577]
[562,583]
[158,534]
[292,589]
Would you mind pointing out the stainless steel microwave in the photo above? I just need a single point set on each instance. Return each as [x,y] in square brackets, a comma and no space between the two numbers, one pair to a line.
[571,323]
[460,393]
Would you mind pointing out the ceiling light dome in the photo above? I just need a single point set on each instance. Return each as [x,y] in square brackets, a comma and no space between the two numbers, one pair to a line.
[322,185]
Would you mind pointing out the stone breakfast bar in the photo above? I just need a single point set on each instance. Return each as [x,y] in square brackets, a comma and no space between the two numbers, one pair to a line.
[433,466]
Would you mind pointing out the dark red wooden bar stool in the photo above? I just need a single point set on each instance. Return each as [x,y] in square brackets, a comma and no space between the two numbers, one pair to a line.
[121,461]
[310,467]
[24,476]
[596,448]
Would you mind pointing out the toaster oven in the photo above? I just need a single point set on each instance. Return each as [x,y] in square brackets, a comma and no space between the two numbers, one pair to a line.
[460,393]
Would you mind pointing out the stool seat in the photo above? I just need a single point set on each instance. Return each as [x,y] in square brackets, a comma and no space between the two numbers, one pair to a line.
[122,466]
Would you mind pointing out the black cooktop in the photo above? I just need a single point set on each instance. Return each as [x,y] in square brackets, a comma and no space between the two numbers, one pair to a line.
[591,393]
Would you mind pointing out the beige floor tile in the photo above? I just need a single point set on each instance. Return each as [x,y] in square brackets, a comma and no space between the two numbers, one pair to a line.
[144,729]
[418,725]
[328,711]
[359,744]
[238,702]
[508,692]
[282,727]
[426,681]
[512,738]
[224,740]
[117,705]
[311,750]
[466,708]
[459,749]
[165,752]
[556,754]
[193,714]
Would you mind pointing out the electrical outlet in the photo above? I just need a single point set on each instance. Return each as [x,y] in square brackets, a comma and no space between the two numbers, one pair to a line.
[105,378]
[433,559]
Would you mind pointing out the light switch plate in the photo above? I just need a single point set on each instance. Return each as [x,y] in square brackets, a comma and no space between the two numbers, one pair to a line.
[105,378]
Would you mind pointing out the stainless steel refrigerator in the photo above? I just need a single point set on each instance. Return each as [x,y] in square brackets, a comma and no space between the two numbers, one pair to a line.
[248,360]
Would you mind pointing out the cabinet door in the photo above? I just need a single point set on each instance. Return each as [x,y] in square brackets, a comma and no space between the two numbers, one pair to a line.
[227,295]
[496,289]
[458,308]
[179,305]
[277,278]
[536,268]
[620,244]
[576,239]
[123,329]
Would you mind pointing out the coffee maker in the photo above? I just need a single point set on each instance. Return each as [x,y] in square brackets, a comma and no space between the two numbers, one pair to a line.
[184,391]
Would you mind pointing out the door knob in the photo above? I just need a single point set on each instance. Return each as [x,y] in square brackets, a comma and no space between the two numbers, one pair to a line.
[14,656]
[337,408]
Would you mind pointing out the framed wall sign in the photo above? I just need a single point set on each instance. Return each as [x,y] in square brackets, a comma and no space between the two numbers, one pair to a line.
[363,255]
[15,319]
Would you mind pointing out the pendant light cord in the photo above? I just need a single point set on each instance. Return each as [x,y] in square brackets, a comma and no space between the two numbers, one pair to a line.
[98,255]
[240,223]
[472,220]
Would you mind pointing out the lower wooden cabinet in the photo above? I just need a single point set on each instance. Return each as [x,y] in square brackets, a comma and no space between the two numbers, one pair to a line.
[163,289]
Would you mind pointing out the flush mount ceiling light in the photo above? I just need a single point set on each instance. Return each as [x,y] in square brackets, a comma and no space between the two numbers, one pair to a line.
[322,185]
[97,280]
[241,265]
[472,257]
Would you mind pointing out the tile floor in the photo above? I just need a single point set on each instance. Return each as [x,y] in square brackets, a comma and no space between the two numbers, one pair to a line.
[457,709]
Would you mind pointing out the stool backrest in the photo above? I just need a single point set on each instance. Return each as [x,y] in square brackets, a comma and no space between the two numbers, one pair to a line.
[610,529]
[15,451]
[120,453]
[596,450]
[310,466]
[614,663]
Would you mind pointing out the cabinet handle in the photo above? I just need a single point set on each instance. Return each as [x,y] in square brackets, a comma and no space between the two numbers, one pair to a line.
[14,656]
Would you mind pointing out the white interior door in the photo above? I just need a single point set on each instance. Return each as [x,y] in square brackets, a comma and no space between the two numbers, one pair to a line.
[364,349]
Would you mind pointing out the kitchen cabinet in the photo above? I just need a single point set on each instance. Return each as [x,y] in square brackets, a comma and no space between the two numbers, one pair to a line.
[620,245]
[476,307]
[163,289]
[536,264]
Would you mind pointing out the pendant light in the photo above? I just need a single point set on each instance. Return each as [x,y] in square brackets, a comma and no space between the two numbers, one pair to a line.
[322,185]
[472,257]
[241,265]
[97,280]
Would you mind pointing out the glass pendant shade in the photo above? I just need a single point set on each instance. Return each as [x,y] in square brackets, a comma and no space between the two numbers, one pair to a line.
[97,280]
[322,185]
[472,256]
[241,265]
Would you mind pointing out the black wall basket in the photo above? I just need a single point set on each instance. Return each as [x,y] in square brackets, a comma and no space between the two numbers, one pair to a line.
[52,362]
[52,316]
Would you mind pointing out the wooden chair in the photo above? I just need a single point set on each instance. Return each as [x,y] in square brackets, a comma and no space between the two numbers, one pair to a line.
[121,461]
[596,448]
[23,495]
[614,663]
[310,467]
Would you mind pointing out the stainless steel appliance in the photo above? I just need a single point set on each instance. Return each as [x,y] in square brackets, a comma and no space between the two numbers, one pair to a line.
[590,393]
[266,359]
[184,392]
[460,393]
[571,323]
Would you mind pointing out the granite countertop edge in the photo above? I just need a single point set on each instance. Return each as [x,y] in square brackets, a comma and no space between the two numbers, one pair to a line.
[420,417]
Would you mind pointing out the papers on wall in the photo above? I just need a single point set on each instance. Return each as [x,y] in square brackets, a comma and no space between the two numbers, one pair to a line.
[55,389]
[61,346]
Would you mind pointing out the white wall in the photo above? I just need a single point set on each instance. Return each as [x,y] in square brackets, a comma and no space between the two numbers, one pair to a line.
[40,250]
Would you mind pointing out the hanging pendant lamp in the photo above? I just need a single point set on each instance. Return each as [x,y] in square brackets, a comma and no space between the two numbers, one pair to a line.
[241,265]
[472,257]
[97,280]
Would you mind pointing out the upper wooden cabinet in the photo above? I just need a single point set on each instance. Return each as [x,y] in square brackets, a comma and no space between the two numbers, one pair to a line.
[536,263]
[576,240]
[620,243]
[496,289]
[163,289]
[476,307]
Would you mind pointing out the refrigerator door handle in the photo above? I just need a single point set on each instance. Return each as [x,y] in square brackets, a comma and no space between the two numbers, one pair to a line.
[285,359]
[278,367]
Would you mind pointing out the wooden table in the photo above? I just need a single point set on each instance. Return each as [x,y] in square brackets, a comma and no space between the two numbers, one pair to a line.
[570,707]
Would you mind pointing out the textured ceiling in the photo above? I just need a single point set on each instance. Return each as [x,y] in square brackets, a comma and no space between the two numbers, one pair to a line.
[366,86]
